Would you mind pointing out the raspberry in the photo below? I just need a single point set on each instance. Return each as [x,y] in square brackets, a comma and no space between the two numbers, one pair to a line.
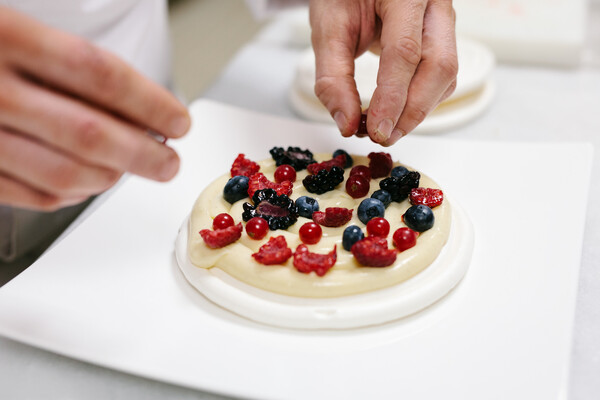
[275,251]
[278,210]
[333,216]
[426,196]
[399,187]
[307,262]
[380,164]
[373,251]
[243,166]
[324,181]
[221,237]
[294,156]
[338,161]
[259,181]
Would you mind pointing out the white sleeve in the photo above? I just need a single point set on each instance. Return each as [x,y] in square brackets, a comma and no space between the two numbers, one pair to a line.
[262,9]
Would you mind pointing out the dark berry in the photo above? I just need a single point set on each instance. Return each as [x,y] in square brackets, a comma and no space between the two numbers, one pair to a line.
[278,210]
[378,227]
[357,186]
[257,228]
[259,181]
[362,126]
[362,170]
[373,251]
[384,196]
[243,166]
[399,187]
[419,218]
[285,173]
[405,238]
[310,233]
[399,171]
[294,156]
[275,251]
[236,189]
[352,234]
[338,161]
[349,160]
[307,206]
[324,181]
[426,196]
[333,216]
[221,237]
[223,221]
[380,164]
[370,208]
[307,262]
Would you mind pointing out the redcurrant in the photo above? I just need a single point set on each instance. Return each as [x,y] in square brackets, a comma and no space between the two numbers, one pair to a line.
[310,233]
[405,238]
[362,170]
[257,228]
[223,221]
[357,186]
[285,173]
[378,227]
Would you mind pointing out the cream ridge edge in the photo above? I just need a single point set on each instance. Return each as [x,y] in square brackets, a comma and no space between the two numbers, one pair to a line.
[347,277]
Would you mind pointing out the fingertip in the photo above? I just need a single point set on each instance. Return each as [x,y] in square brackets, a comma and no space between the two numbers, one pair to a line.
[180,125]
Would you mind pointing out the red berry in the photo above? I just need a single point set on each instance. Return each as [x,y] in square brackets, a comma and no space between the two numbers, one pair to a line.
[275,251]
[333,216]
[222,237]
[426,196]
[380,164]
[405,238]
[257,228]
[223,221]
[285,173]
[357,186]
[243,166]
[373,251]
[307,262]
[362,126]
[378,227]
[362,170]
[259,181]
[337,161]
[310,233]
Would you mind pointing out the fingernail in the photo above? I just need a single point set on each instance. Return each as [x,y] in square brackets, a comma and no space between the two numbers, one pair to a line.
[340,120]
[399,133]
[180,125]
[384,130]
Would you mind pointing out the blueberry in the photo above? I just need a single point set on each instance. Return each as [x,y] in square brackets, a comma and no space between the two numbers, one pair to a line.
[384,196]
[307,206]
[236,188]
[370,208]
[399,171]
[419,218]
[349,161]
[352,234]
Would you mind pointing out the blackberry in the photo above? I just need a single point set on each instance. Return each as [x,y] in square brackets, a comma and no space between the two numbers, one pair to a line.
[294,156]
[278,210]
[324,180]
[399,186]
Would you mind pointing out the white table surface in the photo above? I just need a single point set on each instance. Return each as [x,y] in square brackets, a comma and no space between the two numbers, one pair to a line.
[532,104]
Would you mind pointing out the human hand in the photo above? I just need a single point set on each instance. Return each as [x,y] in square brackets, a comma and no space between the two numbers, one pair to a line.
[417,67]
[74,118]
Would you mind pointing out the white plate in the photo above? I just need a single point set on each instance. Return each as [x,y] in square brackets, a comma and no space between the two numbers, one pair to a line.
[111,293]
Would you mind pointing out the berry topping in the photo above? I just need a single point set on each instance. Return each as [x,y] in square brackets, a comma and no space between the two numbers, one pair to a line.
[223,221]
[338,161]
[362,126]
[357,186]
[243,166]
[307,262]
[285,173]
[400,187]
[257,228]
[278,210]
[384,196]
[378,227]
[296,157]
[310,233]
[362,170]
[399,171]
[306,206]
[419,218]
[236,189]
[333,216]
[352,234]
[324,180]
[275,251]
[373,251]
[349,160]
[370,208]
[426,196]
[221,237]
[259,181]
[405,238]
[380,164]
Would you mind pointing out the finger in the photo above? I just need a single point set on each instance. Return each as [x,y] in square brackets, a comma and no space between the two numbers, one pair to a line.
[435,77]
[402,25]
[78,67]
[17,194]
[84,132]
[334,44]
[49,171]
